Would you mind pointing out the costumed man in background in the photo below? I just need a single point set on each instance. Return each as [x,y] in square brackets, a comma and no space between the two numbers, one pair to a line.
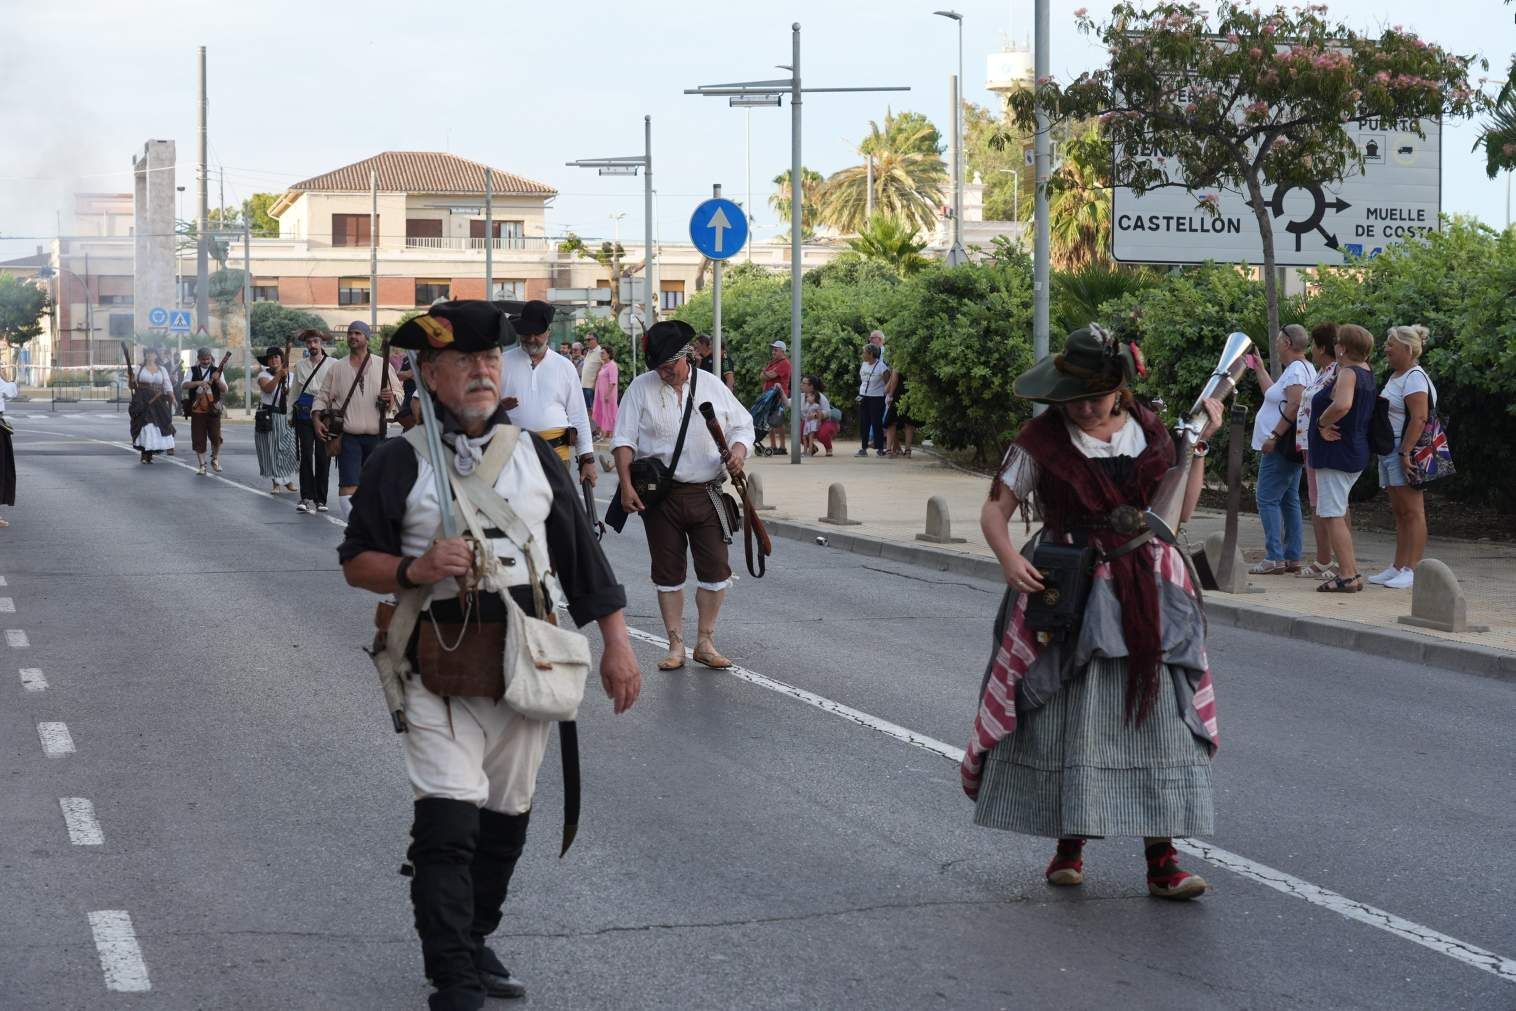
[473,760]
[357,394]
[205,426]
[541,391]
[308,378]
[689,520]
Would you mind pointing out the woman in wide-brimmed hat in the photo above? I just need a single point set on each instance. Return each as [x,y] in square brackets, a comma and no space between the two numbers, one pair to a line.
[1106,729]
[273,437]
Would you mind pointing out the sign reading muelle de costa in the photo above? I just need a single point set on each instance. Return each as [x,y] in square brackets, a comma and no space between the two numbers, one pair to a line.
[1397,196]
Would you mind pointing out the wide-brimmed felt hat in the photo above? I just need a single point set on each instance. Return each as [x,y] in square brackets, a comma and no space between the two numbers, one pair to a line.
[272,350]
[1091,364]
[465,325]
[536,316]
[665,339]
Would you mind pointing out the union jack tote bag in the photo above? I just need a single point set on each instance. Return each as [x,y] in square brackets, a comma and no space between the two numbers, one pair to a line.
[1431,458]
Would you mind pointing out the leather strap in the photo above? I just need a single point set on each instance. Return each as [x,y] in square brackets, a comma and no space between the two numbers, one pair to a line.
[1129,546]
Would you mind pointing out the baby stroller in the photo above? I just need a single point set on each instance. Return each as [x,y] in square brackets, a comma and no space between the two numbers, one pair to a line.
[768,411]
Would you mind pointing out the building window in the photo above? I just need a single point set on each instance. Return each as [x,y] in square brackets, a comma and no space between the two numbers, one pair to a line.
[672,295]
[507,234]
[512,290]
[429,289]
[350,229]
[120,325]
[114,300]
[352,291]
[265,289]
[425,233]
[187,286]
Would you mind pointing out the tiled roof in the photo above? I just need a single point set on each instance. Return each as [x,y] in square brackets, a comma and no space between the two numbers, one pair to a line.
[423,172]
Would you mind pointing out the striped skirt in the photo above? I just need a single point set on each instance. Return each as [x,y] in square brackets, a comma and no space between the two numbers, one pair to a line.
[1075,767]
[276,451]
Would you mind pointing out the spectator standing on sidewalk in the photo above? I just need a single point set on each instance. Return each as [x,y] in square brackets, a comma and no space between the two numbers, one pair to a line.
[1410,395]
[607,394]
[308,379]
[1278,470]
[1339,449]
[819,426]
[873,380]
[897,424]
[776,376]
[1324,358]
[589,368]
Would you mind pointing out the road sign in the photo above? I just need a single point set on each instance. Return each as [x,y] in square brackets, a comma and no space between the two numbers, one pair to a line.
[179,321]
[157,317]
[718,228]
[1397,196]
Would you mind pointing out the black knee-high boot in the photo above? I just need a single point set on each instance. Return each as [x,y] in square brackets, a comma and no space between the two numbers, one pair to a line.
[501,840]
[444,837]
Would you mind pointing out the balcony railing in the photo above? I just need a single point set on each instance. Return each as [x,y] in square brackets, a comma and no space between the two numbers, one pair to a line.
[503,242]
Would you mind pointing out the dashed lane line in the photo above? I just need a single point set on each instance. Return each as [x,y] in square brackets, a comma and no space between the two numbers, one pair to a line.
[56,740]
[1288,884]
[32,679]
[2,581]
[79,819]
[120,954]
[7,605]
[16,638]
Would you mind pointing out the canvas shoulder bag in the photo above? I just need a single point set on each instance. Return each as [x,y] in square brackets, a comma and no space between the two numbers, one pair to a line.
[651,477]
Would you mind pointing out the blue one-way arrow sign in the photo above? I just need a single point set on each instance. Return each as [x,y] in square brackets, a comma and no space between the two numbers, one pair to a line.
[718,228]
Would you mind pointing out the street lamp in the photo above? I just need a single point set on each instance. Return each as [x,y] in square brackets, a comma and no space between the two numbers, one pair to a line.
[956,255]
[630,166]
[746,94]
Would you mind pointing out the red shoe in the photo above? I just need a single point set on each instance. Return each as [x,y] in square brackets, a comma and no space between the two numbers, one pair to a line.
[1166,880]
[1067,867]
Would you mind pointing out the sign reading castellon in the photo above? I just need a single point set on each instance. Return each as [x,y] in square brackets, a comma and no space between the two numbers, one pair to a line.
[1397,196]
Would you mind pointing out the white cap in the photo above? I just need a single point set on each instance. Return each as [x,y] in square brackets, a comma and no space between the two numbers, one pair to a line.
[781,345]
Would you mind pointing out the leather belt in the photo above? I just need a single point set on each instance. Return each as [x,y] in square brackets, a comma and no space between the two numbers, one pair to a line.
[562,440]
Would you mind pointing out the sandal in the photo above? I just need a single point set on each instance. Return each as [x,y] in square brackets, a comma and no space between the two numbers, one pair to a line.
[1266,568]
[1337,584]
[1318,570]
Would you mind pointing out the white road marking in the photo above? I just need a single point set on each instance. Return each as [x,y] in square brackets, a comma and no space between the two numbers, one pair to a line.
[15,638]
[2,581]
[56,740]
[1298,888]
[7,605]
[120,955]
[32,679]
[79,817]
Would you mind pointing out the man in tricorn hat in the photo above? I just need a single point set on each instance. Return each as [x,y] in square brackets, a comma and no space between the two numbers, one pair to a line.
[545,388]
[689,519]
[473,760]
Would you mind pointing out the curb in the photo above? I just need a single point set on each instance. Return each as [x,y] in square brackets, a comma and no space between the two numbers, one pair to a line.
[1412,647]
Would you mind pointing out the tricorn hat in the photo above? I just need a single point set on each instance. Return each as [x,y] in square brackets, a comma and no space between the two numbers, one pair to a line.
[465,325]
[665,339]
[536,316]
[1092,364]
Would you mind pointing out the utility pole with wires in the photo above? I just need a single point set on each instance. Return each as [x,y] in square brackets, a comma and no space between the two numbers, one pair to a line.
[202,228]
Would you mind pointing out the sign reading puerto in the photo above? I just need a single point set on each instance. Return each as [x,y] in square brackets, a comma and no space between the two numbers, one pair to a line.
[1397,196]
[718,228]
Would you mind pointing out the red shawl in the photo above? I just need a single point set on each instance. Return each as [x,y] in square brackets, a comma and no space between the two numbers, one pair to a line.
[1072,489]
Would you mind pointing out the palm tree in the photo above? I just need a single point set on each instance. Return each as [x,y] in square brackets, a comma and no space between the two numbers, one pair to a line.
[1079,205]
[909,177]
[811,185]
[1499,135]
[887,240]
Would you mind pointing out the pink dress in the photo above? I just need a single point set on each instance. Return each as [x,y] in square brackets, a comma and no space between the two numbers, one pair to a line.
[607,389]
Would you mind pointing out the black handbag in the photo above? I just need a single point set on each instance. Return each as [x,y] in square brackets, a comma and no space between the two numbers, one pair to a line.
[1054,613]
[263,419]
[651,477]
[1382,439]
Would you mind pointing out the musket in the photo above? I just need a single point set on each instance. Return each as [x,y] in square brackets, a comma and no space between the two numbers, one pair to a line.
[131,373]
[752,523]
[1163,513]
[589,507]
[384,384]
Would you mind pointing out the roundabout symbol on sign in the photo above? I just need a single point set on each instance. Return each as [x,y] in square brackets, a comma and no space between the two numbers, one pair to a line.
[1312,221]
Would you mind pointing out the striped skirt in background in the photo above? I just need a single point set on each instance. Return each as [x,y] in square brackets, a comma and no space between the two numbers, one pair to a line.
[276,451]
[1075,767]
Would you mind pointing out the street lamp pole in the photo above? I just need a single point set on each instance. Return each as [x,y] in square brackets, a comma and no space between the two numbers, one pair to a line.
[956,254]
[1041,258]
[746,94]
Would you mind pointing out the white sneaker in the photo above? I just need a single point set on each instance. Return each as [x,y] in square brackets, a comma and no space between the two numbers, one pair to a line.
[321,507]
[1402,581]
[1384,577]
[303,506]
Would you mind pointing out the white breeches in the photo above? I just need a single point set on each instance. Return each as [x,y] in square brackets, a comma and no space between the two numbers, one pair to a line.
[489,756]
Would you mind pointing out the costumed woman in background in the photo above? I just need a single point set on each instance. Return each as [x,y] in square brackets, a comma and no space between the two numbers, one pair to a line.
[151,412]
[8,391]
[1108,729]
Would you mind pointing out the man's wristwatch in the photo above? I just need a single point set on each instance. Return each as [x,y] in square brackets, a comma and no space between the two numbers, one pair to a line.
[402,573]
[585,458]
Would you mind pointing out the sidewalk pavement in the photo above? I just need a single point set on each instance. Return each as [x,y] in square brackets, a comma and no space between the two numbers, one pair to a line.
[888,498]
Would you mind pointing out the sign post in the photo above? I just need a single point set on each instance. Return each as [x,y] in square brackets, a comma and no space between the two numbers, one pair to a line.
[718,228]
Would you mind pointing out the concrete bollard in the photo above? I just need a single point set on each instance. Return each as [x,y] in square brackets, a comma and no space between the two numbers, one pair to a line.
[939,527]
[755,491]
[1214,545]
[1437,601]
[607,462]
[836,507]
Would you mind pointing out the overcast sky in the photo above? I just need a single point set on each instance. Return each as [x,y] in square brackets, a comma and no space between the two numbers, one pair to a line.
[299,88]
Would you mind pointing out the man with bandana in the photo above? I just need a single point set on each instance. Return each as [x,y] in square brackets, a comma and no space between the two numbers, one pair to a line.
[689,520]
[472,760]
[540,389]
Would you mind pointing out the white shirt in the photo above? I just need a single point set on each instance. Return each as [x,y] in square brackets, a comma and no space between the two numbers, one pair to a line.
[548,396]
[649,420]
[267,399]
[1397,388]
[1020,474]
[1298,373]
[589,369]
[303,369]
[7,389]
[158,377]
[871,378]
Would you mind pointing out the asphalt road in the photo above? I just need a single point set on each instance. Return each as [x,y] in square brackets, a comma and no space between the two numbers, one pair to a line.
[739,848]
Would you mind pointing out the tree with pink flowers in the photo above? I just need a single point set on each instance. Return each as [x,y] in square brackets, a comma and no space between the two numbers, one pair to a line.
[1246,97]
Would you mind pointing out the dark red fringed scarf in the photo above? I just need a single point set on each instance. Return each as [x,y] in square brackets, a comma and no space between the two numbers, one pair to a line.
[1071,487]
